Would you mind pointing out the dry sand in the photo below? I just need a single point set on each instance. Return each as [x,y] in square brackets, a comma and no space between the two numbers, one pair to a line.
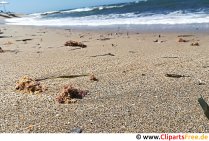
[133,93]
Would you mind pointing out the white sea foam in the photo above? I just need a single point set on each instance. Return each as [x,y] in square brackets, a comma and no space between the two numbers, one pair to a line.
[177,17]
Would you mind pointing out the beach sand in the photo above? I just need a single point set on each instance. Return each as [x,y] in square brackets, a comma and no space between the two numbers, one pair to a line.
[132,94]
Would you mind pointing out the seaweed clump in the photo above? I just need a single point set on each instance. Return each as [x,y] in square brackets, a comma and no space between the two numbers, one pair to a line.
[29,85]
[74,43]
[69,95]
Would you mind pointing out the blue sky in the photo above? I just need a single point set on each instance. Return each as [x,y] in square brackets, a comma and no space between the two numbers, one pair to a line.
[31,6]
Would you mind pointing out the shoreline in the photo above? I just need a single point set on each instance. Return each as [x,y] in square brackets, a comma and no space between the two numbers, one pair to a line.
[189,28]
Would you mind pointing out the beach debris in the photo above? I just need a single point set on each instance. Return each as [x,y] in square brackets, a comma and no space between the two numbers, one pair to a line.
[113,45]
[1,50]
[93,78]
[24,40]
[182,40]
[155,41]
[107,54]
[5,36]
[185,35]
[74,43]
[104,39]
[175,75]
[81,36]
[28,85]
[170,57]
[195,44]
[132,52]
[76,130]
[69,94]
[61,76]
[200,82]
[204,106]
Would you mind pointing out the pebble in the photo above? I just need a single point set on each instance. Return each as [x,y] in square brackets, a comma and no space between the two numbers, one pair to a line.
[76,130]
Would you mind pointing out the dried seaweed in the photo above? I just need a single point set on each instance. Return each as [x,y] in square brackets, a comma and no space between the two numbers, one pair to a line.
[93,78]
[69,94]
[182,40]
[74,43]
[29,85]
[195,44]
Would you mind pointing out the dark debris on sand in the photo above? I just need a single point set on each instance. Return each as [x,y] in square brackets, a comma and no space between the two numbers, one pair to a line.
[74,44]
[69,94]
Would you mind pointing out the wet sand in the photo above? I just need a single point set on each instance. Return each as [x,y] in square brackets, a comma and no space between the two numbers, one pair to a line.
[134,92]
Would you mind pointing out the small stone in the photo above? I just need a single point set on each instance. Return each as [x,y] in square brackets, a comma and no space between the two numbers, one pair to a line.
[76,130]
[201,82]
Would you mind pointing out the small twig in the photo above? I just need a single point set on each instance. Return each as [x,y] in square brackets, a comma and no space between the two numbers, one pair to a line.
[62,76]
[170,57]
[108,54]
[176,75]
[24,40]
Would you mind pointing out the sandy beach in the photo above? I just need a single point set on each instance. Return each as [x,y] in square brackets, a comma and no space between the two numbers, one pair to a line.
[135,91]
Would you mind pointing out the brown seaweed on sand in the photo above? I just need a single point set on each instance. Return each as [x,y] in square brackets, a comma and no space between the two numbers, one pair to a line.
[93,78]
[29,85]
[69,95]
[182,40]
[195,44]
[74,43]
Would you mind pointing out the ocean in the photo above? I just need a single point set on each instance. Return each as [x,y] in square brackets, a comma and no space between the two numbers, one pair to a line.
[141,12]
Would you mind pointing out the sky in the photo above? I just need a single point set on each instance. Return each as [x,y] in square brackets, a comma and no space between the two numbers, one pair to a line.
[32,6]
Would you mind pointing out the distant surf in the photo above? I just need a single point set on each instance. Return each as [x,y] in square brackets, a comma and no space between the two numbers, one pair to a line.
[141,12]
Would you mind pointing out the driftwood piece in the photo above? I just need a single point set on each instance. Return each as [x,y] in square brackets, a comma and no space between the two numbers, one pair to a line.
[204,106]
[74,44]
